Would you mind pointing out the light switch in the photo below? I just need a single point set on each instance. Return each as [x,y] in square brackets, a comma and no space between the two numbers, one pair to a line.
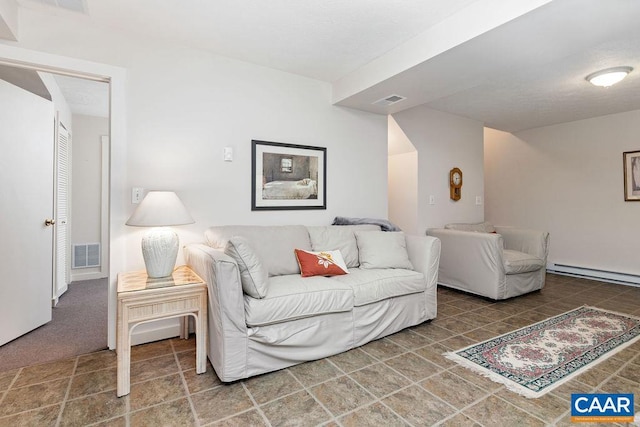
[136,194]
[432,200]
[228,154]
[478,200]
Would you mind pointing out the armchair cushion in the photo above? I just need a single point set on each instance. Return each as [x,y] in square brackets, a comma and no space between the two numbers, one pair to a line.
[516,262]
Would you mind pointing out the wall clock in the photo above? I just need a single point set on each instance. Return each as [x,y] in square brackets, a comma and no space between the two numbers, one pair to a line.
[455,184]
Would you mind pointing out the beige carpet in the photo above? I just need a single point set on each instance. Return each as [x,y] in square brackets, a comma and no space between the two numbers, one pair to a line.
[79,326]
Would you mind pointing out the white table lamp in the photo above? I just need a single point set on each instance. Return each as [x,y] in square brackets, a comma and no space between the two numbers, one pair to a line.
[160,209]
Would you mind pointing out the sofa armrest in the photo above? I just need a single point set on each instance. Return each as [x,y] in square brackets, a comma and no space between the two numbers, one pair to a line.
[227,324]
[424,254]
[471,261]
[532,242]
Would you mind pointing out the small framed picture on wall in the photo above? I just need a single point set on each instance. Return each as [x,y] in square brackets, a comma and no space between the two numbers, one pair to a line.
[631,160]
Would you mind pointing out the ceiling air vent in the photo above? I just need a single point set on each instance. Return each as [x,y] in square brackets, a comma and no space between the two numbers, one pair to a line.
[389,100]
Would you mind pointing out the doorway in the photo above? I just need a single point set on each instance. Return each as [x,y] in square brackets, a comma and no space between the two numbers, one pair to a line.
[81,117]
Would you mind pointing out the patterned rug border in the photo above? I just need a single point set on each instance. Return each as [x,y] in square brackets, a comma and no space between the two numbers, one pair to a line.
[522,390]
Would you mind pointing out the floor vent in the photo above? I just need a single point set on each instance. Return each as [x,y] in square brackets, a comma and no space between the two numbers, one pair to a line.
[86,255]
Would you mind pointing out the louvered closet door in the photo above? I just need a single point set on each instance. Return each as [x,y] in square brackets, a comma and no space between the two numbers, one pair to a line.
[63,175]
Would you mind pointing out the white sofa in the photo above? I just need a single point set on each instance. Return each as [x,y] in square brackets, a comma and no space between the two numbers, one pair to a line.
[298,319]
[495,262]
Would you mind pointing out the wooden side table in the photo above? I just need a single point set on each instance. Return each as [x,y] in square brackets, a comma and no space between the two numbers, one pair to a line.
[142,300]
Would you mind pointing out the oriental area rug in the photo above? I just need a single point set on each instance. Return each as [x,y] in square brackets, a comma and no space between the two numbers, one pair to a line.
[535,359]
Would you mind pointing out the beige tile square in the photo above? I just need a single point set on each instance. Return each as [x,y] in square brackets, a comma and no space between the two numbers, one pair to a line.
[150,350]
[174,413]
[246,419]
[271,386]
[547,407]
[418,407]
[93,409]
[200,382]
[93,382]
[220,402]
[352,360]
[155,391]
[460,420]
[42,417]
[6,378]
[372,415]
[413,366]
[382,349]
[453,389]
[299,409]
[180,344]
[314,372]
[96,361]
[409,340]
[45,372]
[433,332]
[379,379]
[33,396]
[341,395]
[494,411]
[187,360]
[153,368]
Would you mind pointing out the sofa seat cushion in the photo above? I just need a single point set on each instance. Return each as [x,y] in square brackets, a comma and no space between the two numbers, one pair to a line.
[293,297]
[516,262]
[372,285]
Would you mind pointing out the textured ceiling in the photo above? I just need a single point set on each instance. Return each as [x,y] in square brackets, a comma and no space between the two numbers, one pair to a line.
[526,71]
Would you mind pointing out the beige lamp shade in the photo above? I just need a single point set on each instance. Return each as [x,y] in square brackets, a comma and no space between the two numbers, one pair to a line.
[160,209]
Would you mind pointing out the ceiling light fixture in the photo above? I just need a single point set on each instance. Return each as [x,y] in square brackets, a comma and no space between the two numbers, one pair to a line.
[608,77]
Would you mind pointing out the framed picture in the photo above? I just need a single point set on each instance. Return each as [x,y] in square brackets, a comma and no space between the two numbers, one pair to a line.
[631,160]
[287,176]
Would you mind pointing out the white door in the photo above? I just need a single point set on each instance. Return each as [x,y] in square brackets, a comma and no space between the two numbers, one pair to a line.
[26,201]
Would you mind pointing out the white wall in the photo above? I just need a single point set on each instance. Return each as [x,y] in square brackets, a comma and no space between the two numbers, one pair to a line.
[568,179]
[184,106]
[87,184]
[444,141]
[403,191]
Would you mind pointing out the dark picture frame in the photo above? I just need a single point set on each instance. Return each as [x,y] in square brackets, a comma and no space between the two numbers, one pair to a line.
[631,162]
[287,176]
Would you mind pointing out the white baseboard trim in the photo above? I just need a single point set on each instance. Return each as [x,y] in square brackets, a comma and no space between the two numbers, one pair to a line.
[77,277]
[595,274]
[155,331]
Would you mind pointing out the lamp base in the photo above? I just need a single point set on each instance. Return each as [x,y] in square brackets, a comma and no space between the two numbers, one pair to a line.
[160,250]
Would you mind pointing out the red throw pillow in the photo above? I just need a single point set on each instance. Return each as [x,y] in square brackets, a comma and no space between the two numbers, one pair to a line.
[325,263]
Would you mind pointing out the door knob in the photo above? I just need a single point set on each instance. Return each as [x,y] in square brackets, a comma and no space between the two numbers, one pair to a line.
[49,222]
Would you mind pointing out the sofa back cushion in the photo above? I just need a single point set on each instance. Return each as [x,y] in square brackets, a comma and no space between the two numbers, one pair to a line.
[273,244]
[383,249]
[480,227]
[339,237]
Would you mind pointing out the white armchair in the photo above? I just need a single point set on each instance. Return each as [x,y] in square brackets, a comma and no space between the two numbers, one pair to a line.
[498,265]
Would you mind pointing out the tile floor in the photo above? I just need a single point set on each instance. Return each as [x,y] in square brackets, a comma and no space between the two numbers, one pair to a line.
[396,381]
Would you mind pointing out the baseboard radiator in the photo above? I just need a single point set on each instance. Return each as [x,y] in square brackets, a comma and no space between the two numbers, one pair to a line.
[595,274]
